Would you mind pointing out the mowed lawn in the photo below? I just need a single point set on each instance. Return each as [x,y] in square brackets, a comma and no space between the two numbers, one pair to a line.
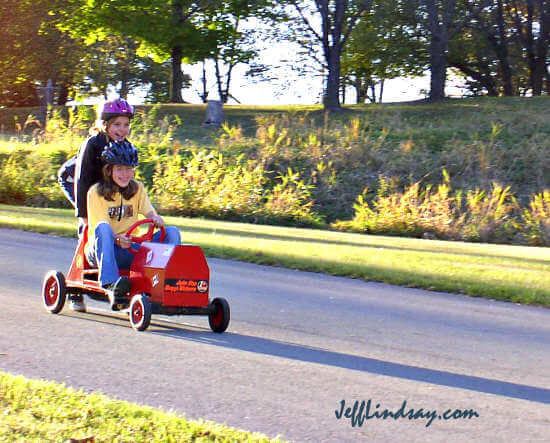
[39,411]
[515,273]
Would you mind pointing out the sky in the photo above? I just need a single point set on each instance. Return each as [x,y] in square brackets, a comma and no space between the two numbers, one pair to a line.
[288,87]
[299,91]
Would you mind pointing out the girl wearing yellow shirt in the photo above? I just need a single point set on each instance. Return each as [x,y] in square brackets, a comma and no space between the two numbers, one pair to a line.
[114,204]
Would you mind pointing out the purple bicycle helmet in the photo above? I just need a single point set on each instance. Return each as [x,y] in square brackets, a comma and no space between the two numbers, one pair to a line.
[116,108]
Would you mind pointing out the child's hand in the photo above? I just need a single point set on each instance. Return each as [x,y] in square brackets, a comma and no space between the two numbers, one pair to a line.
[123,241]
[157,220]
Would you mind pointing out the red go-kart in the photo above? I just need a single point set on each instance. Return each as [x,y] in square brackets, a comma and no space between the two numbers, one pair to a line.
[165,279]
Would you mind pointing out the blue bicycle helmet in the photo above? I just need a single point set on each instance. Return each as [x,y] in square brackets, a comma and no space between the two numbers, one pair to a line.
[120,153]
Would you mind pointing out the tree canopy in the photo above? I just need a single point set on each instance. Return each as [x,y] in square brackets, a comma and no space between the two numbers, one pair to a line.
[499,47]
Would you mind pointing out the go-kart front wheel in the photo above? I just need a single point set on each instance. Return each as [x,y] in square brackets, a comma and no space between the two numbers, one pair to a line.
[219,317]
[140,312]
[54,291]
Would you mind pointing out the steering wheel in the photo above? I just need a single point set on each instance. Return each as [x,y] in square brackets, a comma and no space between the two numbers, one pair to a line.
[148,236]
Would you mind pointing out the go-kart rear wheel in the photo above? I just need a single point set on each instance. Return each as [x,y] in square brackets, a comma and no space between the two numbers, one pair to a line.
[53,291]
[219,318]
[140,312]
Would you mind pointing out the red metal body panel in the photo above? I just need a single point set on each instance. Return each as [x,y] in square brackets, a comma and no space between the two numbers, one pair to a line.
[80,270]
[186,268]
[77,265]
[148,268]
[171,274]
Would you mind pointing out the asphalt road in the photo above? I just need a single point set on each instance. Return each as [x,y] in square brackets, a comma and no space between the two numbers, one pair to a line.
[298,345]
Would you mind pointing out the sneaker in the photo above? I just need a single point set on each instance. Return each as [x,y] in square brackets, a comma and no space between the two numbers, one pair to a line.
[117,293]
[77,303]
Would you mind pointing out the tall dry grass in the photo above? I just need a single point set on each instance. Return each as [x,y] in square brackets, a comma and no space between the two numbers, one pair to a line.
[371,169]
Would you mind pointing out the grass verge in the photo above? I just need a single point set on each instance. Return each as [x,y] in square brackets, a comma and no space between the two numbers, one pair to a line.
[513,273]
[36,410]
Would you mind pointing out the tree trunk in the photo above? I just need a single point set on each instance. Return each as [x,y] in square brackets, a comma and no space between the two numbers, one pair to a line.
[506,73]
[204,95]
[543,42]
[495,28]
[438,65]
[123,92]
[538,71]
[440,17]
[176,83]
[331,99]
[372,98]
[361,90]
[534,32]
[226,93]
[63,96]
[343,92]
[502,52]
[219,81]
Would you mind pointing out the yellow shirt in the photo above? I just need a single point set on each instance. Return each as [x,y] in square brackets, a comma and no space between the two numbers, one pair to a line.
[120,213]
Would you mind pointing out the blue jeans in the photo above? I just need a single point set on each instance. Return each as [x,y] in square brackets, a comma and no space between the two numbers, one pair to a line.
[109,258]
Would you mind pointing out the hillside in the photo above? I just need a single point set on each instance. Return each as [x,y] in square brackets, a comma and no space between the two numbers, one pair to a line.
[313,167]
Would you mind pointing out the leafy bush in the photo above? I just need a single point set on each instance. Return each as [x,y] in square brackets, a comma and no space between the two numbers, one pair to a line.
[536,220]
[30,179]
[414,212]
[149,128]
[209,184]
[490,217]
[437,213]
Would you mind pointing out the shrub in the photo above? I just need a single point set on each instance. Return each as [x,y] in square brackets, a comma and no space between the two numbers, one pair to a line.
[536,220]
[149,128]
[290,200]
[490,217]
[30,179]
[211,185]
[437,212]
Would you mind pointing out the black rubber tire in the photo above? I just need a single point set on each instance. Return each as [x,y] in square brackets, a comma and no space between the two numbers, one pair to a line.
[140,312]
[54,292]
[219,319]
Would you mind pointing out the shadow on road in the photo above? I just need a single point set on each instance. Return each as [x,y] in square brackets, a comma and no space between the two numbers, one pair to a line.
[324,357]
[321,356]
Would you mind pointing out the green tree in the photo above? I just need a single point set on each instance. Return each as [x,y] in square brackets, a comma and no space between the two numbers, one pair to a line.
[505,51]
[114,63]
[32,52]
[326,24]
[487,53]
[441,21]
[164,28]
[532,22]
[156,80]
[382,46]
[175,30]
